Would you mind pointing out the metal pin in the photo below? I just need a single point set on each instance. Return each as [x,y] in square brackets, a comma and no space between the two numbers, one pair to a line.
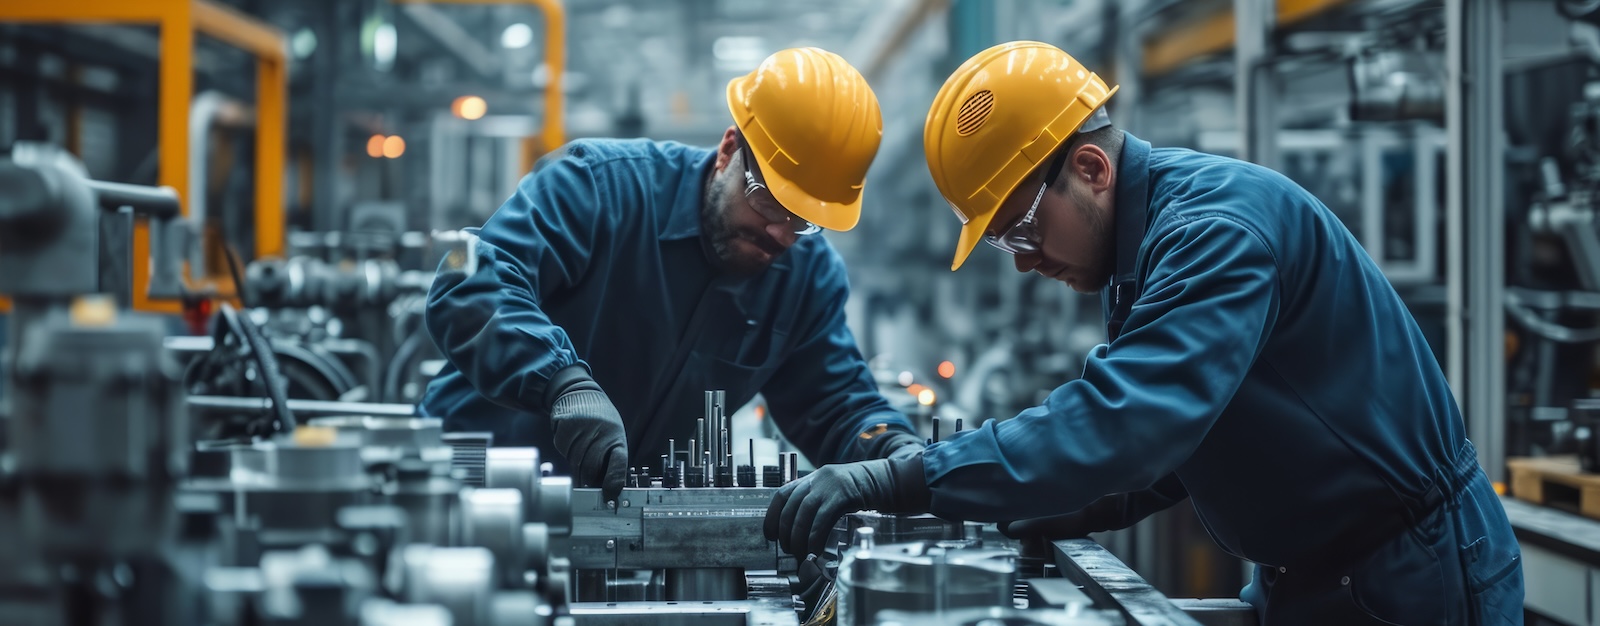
[783,468]
[705,468]
[794,466]
[664,461]
[936,429]
[694,452]
[672,451]
[958,424]
[752,452]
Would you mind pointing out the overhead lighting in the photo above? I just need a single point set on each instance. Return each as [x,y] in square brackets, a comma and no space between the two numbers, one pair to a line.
[925,397]
[738,54]
[384,45]
[516,36]
[375,146]
[469,107]
[303,43]
[947,369]
[394,146]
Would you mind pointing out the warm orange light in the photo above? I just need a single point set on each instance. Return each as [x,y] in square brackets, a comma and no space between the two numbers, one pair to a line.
[925,397]
[916,389]
[469,107]
[947,369]
[394,146]
[375,146]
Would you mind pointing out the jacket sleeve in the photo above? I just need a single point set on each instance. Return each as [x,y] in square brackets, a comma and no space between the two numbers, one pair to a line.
[823,396]
[489,323]
[1139,411]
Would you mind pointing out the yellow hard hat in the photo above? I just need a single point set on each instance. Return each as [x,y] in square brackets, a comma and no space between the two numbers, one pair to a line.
[1001,113]
[814,126]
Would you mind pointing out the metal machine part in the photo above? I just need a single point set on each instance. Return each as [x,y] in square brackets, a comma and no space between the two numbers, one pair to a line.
[408,433]
[661,528]
[95,515]
[930,578]
[460,579]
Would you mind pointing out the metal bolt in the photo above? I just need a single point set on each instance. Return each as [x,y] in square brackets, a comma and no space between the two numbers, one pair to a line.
[611,544]
[624,504]
[1344,581]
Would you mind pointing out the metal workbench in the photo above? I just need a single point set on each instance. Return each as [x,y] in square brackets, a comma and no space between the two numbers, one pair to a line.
[1560,561]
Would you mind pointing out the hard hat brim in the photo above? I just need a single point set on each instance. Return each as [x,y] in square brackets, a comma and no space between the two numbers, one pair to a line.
[971,234]
[835,215]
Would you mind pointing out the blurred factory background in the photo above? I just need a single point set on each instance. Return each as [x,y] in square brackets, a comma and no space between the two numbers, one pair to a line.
[325,152]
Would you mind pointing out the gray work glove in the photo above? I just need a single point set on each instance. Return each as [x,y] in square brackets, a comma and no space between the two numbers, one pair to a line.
[803,512]
[588,431]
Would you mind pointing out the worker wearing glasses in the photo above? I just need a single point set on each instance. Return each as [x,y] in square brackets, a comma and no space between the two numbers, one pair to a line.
[624,278]
[1259,365]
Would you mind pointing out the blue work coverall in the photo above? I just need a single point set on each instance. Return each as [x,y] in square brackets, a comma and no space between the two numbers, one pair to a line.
[597,258]
[1263,367]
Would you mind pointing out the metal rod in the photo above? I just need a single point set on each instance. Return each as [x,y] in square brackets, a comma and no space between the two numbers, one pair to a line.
[672,451]
[936,429]
[794,466]
[694,452]
[752,452]
[301,408]
[159,202]
[958,424]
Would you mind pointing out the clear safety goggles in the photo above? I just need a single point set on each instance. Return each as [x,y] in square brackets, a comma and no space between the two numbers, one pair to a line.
[764,204]
[1023,237]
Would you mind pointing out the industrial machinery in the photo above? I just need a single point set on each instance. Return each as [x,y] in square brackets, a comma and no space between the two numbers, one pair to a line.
[132,510]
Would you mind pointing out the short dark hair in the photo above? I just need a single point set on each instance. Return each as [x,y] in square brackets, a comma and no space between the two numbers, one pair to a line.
[1107,138]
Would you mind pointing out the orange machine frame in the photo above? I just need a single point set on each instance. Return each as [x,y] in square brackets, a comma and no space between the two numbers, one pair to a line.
[178,21]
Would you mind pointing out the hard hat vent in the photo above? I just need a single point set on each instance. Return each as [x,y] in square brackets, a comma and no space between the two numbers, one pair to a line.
[973,112]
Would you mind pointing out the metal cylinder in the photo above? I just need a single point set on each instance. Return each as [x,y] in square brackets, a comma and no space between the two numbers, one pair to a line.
[515,468]
[460,579]
[493,519]
[705,584]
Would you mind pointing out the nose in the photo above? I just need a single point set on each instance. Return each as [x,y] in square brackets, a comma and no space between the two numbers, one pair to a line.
[1026,261]
[783,233]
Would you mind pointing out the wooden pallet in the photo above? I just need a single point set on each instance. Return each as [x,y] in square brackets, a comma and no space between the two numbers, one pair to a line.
[1556,482]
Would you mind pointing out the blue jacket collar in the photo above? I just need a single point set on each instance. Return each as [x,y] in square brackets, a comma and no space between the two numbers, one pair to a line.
[684,221]
[1132,212]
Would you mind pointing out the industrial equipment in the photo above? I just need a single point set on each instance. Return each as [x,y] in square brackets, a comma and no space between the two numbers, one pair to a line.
[135,509]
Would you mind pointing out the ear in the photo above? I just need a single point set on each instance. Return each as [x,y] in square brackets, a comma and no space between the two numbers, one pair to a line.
[728,147]
[1093,167]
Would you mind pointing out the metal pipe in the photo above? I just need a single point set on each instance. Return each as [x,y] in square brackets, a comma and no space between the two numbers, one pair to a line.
[156,202]
[301,408]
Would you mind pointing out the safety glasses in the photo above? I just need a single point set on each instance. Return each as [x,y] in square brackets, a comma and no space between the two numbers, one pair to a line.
[764,203]
[1023,237]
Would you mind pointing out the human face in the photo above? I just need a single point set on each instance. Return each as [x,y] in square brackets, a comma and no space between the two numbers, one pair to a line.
[735,219]
[1057,225]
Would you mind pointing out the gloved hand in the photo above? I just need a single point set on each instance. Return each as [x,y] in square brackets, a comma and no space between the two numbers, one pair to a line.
[588,431]
[1074,525]
[1111,512]
[803,512]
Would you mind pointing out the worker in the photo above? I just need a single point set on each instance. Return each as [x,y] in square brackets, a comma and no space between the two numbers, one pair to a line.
[1259,365]
[624,278]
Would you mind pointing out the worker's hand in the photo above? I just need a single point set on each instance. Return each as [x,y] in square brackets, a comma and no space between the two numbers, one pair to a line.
[803,512]
[1056,527]
[588,431]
